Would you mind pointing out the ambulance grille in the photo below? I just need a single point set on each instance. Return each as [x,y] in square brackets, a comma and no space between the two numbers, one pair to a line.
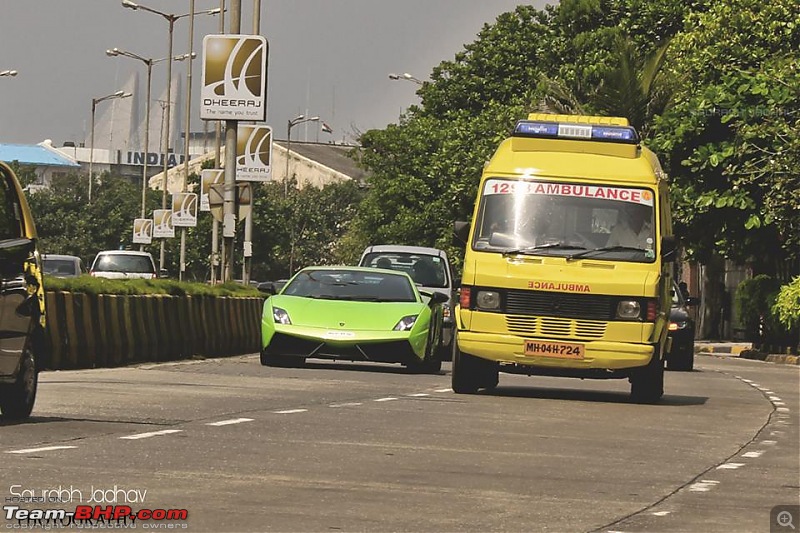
[577,306]
[555,327]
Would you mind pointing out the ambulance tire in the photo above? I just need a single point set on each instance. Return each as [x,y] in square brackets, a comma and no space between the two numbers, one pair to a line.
[647,383]
[470,373]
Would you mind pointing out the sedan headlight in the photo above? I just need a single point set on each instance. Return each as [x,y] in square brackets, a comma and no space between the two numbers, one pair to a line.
[487,300]
[406,323]
[675,326]
[280,316]
[629,310]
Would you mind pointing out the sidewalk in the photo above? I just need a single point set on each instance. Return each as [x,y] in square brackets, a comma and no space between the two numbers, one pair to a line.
[742,349]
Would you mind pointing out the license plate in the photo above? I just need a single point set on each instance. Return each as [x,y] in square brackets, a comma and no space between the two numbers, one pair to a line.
[561,350]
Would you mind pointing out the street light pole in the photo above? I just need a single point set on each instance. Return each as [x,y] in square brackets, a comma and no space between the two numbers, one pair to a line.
[405,76]
[170,18]
[247,251]
[291,124]
[95,101]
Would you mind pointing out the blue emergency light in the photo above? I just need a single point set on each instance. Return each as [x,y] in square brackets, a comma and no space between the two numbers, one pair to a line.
[587,132]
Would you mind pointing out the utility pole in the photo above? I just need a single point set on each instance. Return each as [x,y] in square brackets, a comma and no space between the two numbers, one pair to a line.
[229,199]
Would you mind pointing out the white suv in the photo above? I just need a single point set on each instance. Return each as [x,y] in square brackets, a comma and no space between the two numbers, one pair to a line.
[123,264]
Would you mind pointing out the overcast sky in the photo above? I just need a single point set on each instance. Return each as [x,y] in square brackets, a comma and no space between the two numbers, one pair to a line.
[330,57]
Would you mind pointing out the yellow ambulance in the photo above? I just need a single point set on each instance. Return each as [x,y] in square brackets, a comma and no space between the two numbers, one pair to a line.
[567,263]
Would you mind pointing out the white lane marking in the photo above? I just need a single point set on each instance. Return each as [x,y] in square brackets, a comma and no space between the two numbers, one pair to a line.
[753,455]
[138,436]
[730,466]
[746,380]
[776,432]
[756,385]
[661,513]
[769,442]
[704,485]
[782,409]
[348,404]
[774,398]
[229,422]
[777,404]
[444,390]
[768,392]
[419,395]
[389,399]
[290,411]
[43,449]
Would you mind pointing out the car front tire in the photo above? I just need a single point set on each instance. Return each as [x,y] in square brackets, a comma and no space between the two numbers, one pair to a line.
[17,399]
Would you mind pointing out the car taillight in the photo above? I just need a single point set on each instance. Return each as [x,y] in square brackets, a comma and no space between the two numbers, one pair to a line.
[465,297]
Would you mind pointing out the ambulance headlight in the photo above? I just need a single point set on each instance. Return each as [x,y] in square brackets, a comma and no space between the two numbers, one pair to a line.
[629,310]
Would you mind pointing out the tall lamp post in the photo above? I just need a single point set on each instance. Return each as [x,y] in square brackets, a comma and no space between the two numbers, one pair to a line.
[149,62]
[95,101]
[405,76]
[170,18]
[11,73]
[291,124]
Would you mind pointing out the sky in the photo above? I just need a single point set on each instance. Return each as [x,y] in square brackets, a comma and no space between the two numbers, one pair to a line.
[327,58]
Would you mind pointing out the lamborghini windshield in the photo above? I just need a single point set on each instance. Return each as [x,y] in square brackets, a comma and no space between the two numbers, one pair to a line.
[576,221]
[344,284]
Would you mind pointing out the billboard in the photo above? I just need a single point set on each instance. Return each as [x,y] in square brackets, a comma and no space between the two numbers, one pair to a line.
[208,178]
[234,78]
[184,209]
[253,153]
[162,224]
[142,231]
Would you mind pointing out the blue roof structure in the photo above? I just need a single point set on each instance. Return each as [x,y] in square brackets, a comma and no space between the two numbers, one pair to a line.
[34,154]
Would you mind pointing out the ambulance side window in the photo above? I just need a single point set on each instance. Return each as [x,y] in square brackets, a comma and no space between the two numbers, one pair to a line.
[9,211]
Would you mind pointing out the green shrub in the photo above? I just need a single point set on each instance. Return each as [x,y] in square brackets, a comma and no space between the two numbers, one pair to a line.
[91,285]
[787,304]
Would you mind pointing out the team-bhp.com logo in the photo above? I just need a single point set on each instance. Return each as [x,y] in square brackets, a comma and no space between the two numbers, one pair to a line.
[234,77]
[91,516]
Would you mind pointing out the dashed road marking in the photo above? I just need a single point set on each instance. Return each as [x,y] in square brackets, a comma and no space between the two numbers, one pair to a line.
[290,411]
[419,395]
[754,454]
[229,422]
[348,404]
[704,485]
[43,449]
[443,390]
[782,409]
[388,399]
[730,466]
[769,442]
[661,513]
[138,436]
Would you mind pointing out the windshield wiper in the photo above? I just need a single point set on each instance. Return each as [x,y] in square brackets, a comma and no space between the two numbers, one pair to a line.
[549,245]
[605,249]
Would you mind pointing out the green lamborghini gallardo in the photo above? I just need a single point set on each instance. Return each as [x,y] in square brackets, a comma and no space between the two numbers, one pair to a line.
[352,313]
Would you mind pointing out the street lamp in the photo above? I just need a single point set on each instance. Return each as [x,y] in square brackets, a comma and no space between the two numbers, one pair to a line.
[405,76]
[95,101]
[171,18]
[292,123]
[114,52]
[11,73]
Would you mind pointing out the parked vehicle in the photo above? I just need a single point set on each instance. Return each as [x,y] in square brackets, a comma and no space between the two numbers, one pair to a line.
[123,264]
[23,343]
[271,287]
[567,263]
[431,271]
[62,266]
[681,331]
[352,313]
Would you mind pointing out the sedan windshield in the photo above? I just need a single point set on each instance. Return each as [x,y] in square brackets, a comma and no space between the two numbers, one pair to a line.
[351,285]
[128,264]
[572,220]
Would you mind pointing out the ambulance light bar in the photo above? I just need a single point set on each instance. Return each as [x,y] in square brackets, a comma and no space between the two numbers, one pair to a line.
[587,132]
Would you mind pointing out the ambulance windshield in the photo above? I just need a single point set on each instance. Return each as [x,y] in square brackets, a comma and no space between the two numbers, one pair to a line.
[566,219]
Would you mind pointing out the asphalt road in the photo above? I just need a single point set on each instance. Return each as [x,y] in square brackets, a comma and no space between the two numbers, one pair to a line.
[359,447]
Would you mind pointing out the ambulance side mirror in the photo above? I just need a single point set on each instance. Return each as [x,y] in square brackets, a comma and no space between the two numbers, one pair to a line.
[669,247]
[460,233]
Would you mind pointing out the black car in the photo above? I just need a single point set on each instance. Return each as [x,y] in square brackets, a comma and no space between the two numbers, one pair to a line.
[681,330]
[22,312]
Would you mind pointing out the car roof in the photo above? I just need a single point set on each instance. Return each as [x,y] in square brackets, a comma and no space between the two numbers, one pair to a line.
[405,249]
[59,256]
[124,252]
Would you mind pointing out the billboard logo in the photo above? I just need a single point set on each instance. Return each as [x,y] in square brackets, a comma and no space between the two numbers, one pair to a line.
[234,77]
[253,153]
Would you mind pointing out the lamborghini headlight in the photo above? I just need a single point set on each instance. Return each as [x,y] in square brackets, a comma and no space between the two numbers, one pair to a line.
[280,316]
[406,323]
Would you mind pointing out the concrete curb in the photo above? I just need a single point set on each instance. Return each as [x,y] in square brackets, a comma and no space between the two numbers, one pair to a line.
[744,351]
[723,348]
